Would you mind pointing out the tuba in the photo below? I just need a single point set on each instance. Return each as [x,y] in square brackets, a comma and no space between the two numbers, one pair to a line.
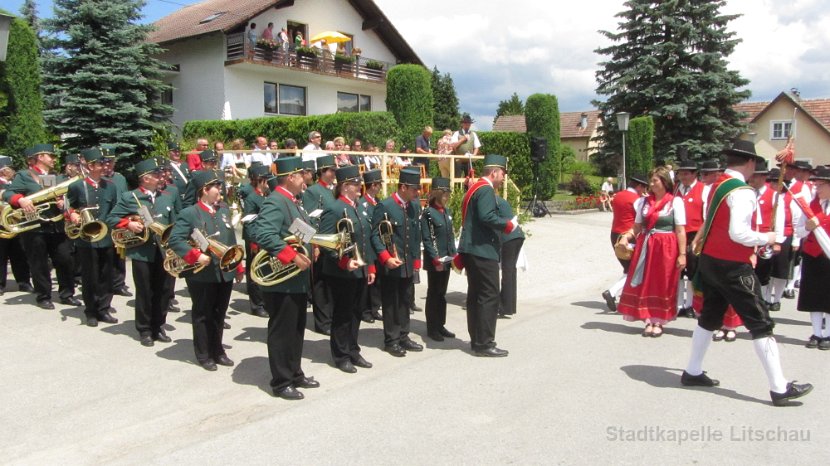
[176,266]
[345,226]
[16,221]
[387,232]
[124,238]
[267,270]
[88,229]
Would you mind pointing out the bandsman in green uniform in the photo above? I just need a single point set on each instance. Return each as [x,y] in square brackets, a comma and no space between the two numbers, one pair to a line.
[252,198]
[372,184]
[315,199]
[511,244]
[439,248]
[119,264]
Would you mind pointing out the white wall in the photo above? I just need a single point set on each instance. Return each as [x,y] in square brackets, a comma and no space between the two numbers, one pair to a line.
[198,88]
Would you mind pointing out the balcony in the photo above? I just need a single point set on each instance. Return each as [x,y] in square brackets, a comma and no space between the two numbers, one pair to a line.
[361,68]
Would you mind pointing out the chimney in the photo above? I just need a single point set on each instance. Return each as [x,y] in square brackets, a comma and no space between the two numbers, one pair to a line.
[583,121]
[794,91]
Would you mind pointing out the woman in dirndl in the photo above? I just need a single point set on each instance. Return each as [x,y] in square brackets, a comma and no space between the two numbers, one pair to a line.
[814,294]
[650,292]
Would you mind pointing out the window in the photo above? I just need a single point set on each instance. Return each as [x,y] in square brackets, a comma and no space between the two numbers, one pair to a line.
[212,17]
[284,99]
[780,129]
[347,102]
[167,97]
[292,100]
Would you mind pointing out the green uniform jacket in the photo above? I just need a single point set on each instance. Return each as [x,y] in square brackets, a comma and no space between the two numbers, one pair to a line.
[407,235]
[506,212]
[120,183]
[316,196]
[181,177]
[277,213]
[164,211]
[362,223]
[218,224]
[82,194]
[442,244]
[482,227]
[24,184]
[251,204]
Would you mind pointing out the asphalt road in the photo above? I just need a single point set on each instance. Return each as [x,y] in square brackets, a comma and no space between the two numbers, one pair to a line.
[580,385]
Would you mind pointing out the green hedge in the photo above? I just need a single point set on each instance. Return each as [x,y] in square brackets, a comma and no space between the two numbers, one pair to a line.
[542,118]
[373,127]
[409,98]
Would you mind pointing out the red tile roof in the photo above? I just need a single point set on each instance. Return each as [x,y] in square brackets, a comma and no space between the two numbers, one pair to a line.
[752,109]
[569,126]
[510,123]
[186,21]
[819,109]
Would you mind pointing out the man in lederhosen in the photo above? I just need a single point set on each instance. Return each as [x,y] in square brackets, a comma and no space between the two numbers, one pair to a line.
[152,282]
[400,260]
[11,249]
[252,199]
[99,195]
[48,241]
[372,183]
[286,301]
[727,278]
[767,215]
[315,198]
[480,250]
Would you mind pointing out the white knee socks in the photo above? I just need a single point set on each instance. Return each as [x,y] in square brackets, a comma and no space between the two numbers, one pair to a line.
[701,338]
[616,288]
[778,285]
[767,350]
[817,318]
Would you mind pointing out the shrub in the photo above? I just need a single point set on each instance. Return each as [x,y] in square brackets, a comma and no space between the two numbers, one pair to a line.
[580,185]
[409,99]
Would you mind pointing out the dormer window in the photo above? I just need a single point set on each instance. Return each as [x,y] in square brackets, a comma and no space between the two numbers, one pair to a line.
[212,17]
[583,121]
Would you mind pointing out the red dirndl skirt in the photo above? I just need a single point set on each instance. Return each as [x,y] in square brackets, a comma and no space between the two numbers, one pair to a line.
[655,299]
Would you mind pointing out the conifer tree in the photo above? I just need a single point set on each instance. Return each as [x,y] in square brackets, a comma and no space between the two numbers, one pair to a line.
[512,106]
[445,102]
[668,61]
[29,12]
[102,80]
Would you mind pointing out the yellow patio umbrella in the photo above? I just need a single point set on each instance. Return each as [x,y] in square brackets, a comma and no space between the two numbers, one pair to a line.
[331,37]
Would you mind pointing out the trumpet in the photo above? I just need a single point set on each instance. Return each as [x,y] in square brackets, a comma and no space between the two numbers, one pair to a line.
[16,221]
[88,229]
[267,270]
[345,226]
[387,232]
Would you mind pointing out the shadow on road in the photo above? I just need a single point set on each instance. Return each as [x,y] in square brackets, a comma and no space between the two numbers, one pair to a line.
[180,350]
[255,372]
[600,306]
[457,298]
[664,377]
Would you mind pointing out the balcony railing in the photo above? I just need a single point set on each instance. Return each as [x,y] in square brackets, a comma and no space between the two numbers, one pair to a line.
[360,68]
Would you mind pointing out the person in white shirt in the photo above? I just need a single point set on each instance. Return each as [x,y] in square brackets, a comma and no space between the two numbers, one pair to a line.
[463,142]
[310,150]
[260,153]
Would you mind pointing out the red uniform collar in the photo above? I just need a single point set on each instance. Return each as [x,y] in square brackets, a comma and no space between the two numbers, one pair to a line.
[324,184]
[39,171]
[370,199]
[92,182]
[398,200]
[206,208]
[285,192]
[348,201]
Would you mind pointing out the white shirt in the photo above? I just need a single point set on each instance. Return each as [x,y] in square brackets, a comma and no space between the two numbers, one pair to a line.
[307,152]
[675,205]
[263,157]
[230,160]
[801,226]
[607,187]
[742,204]
[456,136]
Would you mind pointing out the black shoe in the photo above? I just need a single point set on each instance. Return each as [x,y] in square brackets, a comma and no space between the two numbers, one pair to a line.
[368,319]
[172,308]
[824,344]
[107,318]
[146,340]
[813,341]
[701,380]
[122,292]
[446,333]
[360,361]
[326,332]
[410,345]
[162,337]
[71,301]
[289,393]
[376,315]
[25,287]
[91,322]
[793,391]
[395,350]
[259,312]
[415,308]
[774,307]
[491,352]
[112,310]
[789,294]
[688,312]
[346,366]
[435,335]
[45,305]
[226,325]
[307,382]
[208,365]
[224,360]
[503,316]
[609,301]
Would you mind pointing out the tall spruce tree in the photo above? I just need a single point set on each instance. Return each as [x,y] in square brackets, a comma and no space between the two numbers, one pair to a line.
[668,61]
[102,78]
[445,103]
[512,106]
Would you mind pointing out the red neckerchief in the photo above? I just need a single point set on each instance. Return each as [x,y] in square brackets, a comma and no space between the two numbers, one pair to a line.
[651,217]
[92,182]
[469,194]
[206,208]
[348,201]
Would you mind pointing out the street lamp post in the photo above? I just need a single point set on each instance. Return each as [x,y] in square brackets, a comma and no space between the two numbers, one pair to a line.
[622,123]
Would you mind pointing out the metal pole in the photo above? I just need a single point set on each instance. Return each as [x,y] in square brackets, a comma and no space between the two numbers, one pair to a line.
[623,161]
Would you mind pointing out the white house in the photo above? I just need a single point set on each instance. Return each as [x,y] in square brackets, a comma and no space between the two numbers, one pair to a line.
[217,73]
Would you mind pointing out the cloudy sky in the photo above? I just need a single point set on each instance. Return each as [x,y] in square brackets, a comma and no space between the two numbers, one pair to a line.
[494,48]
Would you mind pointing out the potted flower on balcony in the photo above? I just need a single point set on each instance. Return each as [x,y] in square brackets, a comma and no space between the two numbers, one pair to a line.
[340,60]
[374,65]
[267,46]
[306,52]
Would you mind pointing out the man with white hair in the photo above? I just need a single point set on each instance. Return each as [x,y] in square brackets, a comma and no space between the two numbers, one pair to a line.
[313,145]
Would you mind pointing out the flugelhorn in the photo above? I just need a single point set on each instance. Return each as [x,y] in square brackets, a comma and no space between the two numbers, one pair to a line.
[16,221]
[387,232]
[88,228]
[345,226]
[267,270]
[229,256]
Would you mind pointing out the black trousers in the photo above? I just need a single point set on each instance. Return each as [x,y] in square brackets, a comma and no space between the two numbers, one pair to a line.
[286,327]
[119,271]
[625,263]
[509,257]
[394,294]
[763,270]
[482,300]
[345,320]
[152,295]
[782,262]
[254,294]
[691,257]
[372,298]
[77,273]
[40,248]
[436,306]
[96,277]
[11,251]
[320,298]
[210,302]
[735,283]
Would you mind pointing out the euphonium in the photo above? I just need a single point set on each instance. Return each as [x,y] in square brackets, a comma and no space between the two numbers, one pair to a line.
[267,270]
[176,266]
[16,221]
[345,226]
[124,238]
[161,231]
[387,232]
[88,228]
